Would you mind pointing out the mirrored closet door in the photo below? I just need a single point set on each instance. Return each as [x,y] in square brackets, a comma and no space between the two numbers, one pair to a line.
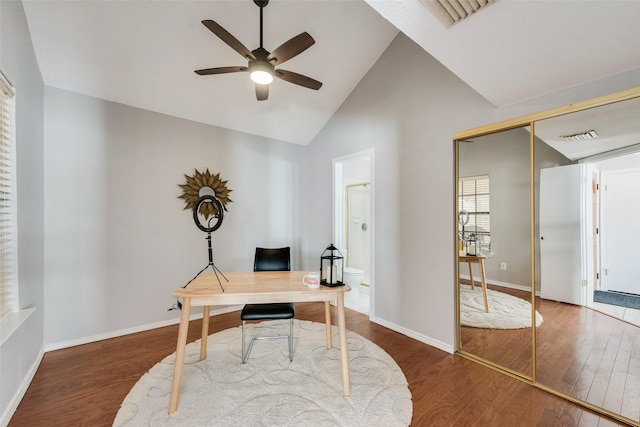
[547,205]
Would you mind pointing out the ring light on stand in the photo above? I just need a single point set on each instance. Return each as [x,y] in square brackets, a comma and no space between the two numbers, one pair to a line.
[208,228]
[218,217]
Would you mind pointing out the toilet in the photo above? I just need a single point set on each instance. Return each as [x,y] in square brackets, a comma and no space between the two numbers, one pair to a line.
[353,276]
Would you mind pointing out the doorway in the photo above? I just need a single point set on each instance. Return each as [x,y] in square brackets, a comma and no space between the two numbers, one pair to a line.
[616,292]
[353,226]
[621,229]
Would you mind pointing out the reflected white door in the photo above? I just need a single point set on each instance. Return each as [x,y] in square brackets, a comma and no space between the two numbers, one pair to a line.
[621,231]
[560,235]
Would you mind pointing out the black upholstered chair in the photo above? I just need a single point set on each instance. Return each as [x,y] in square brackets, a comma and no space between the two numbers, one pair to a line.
[269,260]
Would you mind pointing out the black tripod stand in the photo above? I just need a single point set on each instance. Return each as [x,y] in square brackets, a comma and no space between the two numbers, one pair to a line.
[211,264]
[209,229]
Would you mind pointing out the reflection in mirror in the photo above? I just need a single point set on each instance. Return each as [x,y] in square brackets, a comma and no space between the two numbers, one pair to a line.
[494,217]
[589,344]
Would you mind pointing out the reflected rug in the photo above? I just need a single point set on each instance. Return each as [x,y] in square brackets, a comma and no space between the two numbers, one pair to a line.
[269,390]
[505,311]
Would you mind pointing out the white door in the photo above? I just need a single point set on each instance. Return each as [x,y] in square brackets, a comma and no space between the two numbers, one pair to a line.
[560,235]
[358,233]
[621,231]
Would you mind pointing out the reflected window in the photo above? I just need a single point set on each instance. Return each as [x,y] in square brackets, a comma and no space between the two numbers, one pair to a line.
[475,210]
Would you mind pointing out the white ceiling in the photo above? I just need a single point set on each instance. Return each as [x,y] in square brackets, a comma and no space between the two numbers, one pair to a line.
[142,53]
[617,126]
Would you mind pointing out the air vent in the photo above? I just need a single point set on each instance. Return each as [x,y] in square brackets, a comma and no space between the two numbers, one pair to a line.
[453,11]
[582,136]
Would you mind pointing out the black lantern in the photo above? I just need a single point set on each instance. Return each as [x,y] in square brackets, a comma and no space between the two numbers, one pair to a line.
[331,267]
[473,245]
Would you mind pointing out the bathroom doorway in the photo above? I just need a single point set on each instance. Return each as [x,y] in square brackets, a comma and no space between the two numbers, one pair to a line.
[353,226]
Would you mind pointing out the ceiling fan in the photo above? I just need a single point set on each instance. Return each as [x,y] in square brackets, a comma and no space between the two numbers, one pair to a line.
[261,66]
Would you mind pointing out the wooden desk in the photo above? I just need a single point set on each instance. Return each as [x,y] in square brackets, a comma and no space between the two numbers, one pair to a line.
[250,288]
[479,259]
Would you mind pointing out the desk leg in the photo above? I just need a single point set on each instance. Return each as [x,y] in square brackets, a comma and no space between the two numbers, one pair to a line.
[483,281]
[180,349]
[327,322]
[473,287]
[344,357]
[205,332]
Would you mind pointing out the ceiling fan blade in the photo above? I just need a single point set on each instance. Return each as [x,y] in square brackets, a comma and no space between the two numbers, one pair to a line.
[298,79]
[291,48]
[262,92]
[226,37]
[220,70]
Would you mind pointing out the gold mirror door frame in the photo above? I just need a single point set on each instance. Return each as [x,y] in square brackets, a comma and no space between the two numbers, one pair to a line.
[548,346]
[494,200]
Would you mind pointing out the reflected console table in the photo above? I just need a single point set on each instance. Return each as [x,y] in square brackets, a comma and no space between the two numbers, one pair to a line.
[477,259]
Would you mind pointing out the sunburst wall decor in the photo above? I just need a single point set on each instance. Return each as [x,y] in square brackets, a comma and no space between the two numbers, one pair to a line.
[201,184]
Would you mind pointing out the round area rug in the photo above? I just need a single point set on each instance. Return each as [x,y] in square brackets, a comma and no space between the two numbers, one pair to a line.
[505,311]
[269,390]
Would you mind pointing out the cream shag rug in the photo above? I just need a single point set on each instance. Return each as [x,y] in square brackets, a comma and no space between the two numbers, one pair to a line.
[505,311]
[269,390]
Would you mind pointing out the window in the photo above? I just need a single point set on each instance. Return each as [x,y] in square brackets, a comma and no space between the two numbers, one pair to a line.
[474,209]
[8,216]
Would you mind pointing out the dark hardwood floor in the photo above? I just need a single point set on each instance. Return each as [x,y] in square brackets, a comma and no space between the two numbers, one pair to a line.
[581,352]
[84,385]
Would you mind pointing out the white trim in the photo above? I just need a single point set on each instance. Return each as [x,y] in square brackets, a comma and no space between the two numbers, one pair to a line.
[12,323]
[19,394]
[338,212]
[605,257]
[5,81]
[416,336]
[136,329]
[498,283]
[338,204]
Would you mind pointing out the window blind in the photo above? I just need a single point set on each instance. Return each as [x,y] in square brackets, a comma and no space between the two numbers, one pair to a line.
[8,215]
[474,198]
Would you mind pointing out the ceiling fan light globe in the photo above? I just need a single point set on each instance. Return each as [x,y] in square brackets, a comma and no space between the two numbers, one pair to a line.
[261,77]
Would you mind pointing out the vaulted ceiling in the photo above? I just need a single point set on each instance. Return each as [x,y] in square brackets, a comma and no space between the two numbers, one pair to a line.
[143,53]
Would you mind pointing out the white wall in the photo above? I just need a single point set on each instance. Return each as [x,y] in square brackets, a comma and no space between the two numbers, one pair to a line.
[505,158]
[21,352]
[118,240]
[408,107]
[627,161]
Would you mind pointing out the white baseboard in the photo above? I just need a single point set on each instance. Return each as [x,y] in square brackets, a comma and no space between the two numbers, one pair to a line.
[502,284]
[416,336]
[15,401]
[142,328]
[17,397]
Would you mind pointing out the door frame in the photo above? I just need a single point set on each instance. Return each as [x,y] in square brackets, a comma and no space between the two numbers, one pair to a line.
[339,210]
[604,253]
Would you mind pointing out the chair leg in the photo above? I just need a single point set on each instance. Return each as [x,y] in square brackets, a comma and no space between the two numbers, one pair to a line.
[291,340]
[243,357]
